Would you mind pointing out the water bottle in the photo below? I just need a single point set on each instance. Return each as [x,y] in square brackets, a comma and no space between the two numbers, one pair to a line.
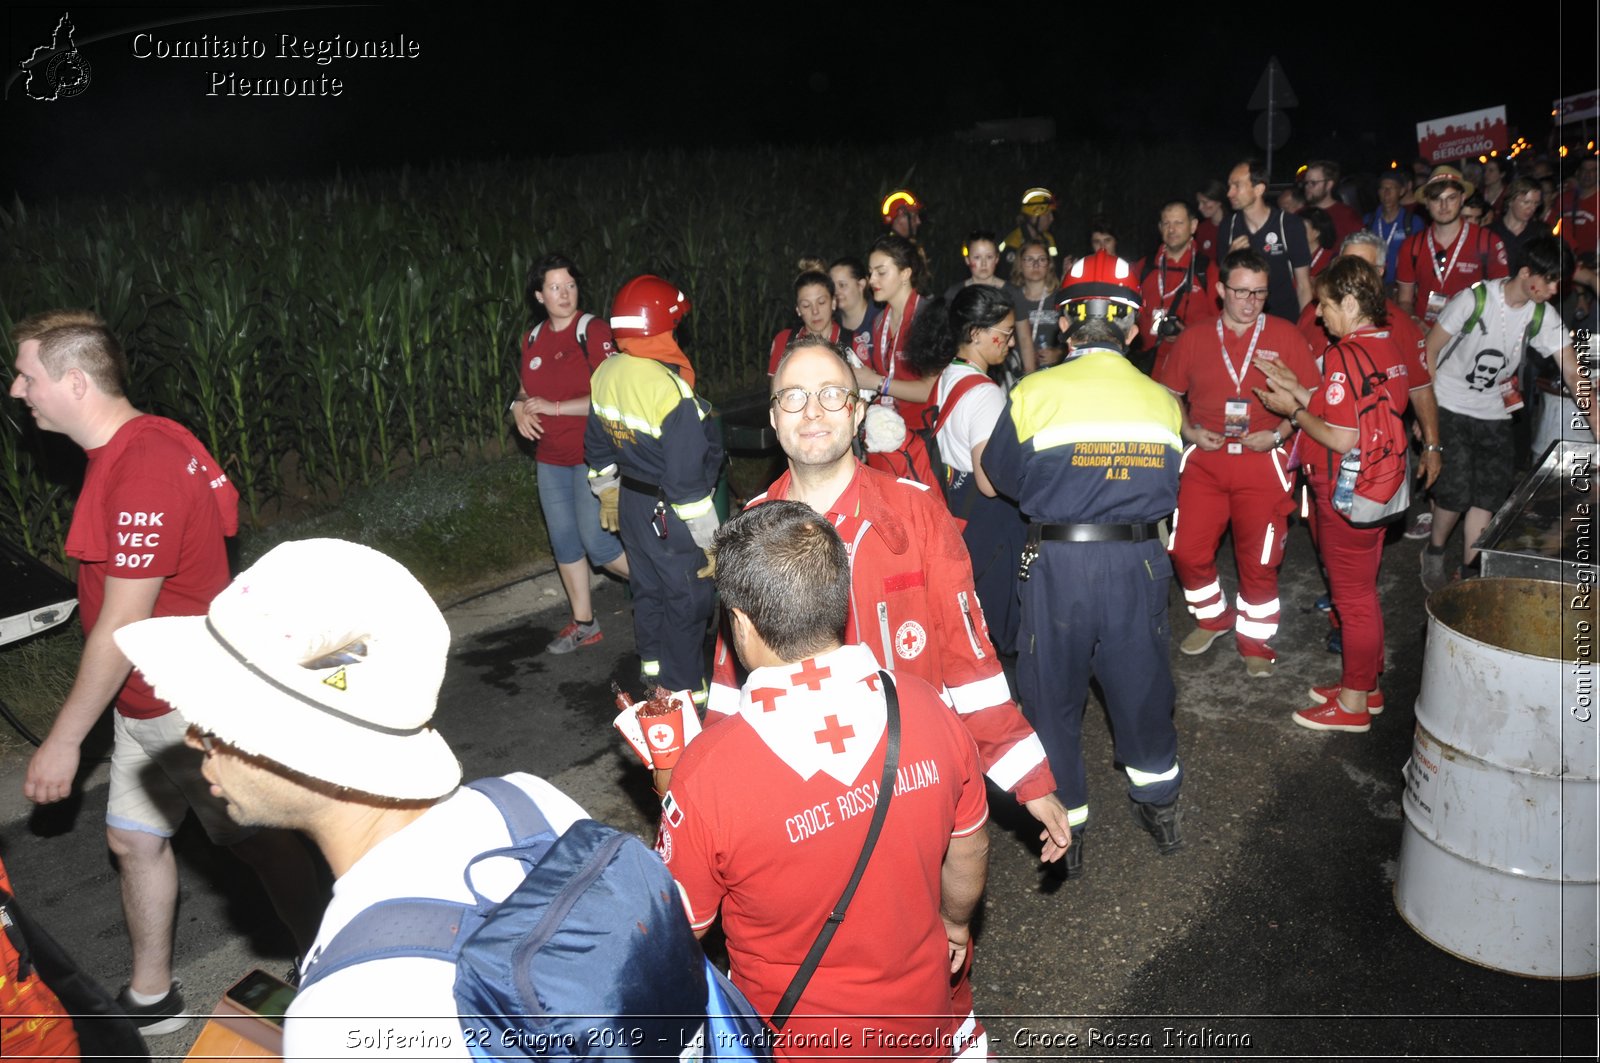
[1344,488]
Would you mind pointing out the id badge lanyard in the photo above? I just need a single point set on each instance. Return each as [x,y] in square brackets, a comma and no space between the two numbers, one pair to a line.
[1236,411]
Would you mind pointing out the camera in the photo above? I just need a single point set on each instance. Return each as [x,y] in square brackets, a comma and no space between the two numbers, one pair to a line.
[1166,324]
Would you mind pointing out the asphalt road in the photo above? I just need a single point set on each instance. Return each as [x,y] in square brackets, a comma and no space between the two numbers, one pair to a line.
[1272,934]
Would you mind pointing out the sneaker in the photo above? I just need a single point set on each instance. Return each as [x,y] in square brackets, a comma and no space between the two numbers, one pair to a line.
[574,635]
[1324,695]
[1162,822]
[1258,667]
[1422,527]
[1333,717]
[1199,640]
[1336,642]
[164,1016]
[1434,576]
[1323,604]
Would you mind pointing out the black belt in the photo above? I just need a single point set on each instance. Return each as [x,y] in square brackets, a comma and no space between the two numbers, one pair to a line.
[640,486]
[1095,533]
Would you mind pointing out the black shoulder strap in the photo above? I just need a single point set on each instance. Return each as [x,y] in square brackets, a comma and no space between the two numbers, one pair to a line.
[891,761]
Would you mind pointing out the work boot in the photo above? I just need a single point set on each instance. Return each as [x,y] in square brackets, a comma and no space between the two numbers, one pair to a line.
[1072,863]
[1162,822]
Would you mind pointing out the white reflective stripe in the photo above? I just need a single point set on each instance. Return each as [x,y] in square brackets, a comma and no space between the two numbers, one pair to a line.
[1016,762]
[1100,431]
[1144,778]
[979,1048]
[628,322]
[1257,612]
[650,667]
[1077,817]
[1206,612]
[1204,593]
[1305,503]
[980,694]
[1190,449]
[691,510]
[638,424]
[1266,543]
[1254,629]
[1283,477]
[1172,536]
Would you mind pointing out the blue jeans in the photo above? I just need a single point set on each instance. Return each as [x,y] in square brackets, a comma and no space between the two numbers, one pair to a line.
[572,516]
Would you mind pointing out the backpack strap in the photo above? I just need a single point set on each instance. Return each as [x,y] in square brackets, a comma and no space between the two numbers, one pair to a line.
[962,386]
[429,927]
[1480,299]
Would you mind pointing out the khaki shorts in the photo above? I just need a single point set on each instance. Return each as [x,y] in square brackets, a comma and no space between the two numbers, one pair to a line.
[155,780]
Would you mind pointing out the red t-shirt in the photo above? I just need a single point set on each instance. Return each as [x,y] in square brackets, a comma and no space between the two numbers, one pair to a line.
[1197,304]
[1205,238]
[1335,400]
[553,365]
[1477,254]
[1578,228]
[1346,220]
[154,503]
[888,353]
[1196,371]
[766,816]
[781,340]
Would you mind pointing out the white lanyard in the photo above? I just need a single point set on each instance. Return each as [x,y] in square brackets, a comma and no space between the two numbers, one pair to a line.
[1238,378]
[1161,274]
[1433,254]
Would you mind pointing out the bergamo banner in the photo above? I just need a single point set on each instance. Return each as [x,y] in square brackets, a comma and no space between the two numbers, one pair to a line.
[1463,135]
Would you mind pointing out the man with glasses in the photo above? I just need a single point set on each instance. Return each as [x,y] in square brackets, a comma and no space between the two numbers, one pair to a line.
[1322,190]
[1235,465]
[148,533]
[912,599]
[1450,255]
[1279,239]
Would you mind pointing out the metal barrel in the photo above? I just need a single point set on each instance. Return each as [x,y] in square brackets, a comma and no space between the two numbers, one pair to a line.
[1498,859]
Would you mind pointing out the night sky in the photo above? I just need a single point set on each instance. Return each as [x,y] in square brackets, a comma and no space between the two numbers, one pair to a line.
[492,81]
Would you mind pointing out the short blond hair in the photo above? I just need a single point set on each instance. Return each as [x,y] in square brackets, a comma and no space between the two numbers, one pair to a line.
[77,339]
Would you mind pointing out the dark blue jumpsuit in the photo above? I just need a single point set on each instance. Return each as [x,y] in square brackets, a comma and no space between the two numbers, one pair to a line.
[646,423]
[1094,441]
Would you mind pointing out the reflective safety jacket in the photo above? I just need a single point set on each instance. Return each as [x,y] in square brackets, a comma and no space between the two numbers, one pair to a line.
[1090,441]
[646,422]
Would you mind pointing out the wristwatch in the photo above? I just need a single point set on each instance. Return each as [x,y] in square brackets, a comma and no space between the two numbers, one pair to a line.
[1434,448]
[1277,438]
[1294,418]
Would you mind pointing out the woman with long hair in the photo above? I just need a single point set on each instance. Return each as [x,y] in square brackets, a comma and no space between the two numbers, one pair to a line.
[556,359]
[813,304]
[957,344]
[893,271]
[1351,299]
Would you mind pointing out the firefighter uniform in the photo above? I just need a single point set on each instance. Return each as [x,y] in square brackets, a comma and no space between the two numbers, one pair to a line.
[647,424]
[1089,449]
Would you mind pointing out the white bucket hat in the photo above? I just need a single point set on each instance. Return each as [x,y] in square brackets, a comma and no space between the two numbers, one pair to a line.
[324,656]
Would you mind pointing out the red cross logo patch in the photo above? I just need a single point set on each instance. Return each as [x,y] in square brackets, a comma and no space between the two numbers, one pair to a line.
[834,735]
[910,640]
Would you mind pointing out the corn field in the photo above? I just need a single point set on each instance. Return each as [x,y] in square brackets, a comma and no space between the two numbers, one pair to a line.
[320,336]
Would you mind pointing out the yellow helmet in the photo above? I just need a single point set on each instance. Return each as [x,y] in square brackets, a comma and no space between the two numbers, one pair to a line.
[1037,201]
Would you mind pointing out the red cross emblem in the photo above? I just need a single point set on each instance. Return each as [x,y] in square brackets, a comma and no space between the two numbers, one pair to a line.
[834,735]
[810,675]
[871,681]
[768,697]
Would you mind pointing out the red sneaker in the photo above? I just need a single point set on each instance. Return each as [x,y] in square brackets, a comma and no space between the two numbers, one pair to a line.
[1323,695]
[1333,717]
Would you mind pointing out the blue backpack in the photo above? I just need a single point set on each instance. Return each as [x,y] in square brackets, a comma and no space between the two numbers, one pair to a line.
[591,957]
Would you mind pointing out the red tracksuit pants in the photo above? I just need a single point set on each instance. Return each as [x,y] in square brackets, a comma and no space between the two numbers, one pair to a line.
[1352,556]
[1253,494]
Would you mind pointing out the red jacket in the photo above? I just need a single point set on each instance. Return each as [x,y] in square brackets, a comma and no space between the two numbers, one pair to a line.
[911,589]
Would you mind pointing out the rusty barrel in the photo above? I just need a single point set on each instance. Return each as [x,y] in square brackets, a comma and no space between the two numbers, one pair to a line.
[1498,859]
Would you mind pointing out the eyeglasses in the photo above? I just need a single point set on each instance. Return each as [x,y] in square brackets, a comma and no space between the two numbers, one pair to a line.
[1035,260]
[833,398]
[1451,196]
[1246,293]
[1006,332]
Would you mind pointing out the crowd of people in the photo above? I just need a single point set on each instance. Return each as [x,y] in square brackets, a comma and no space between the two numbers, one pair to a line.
[1091,427]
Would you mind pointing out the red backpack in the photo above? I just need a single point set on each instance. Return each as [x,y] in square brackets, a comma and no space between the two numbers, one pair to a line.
[1382,488]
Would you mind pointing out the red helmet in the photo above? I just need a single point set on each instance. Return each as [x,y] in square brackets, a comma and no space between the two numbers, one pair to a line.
[647,306]
[896,203]
[1100,285]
